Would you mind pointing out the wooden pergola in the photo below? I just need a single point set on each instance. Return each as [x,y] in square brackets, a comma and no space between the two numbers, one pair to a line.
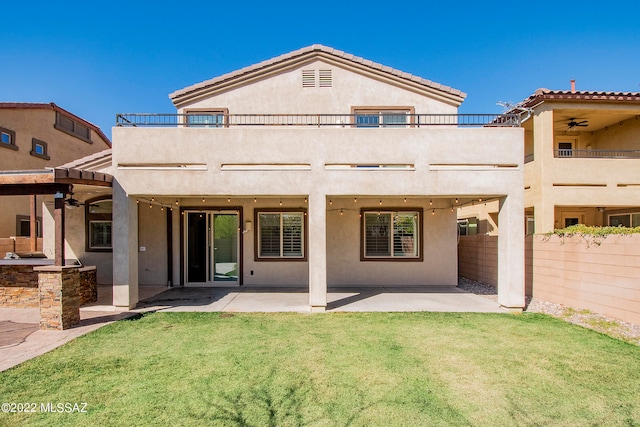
[57,182]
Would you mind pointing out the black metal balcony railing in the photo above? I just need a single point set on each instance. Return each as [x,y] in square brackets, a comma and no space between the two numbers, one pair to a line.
[598,154]
[319,120]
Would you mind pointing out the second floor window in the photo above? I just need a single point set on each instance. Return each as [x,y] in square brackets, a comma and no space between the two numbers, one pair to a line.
[8,138]
[39,149]
[206,118]
[381,117]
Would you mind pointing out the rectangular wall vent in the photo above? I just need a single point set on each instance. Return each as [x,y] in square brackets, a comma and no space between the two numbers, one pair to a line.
[308,78]
[325,78]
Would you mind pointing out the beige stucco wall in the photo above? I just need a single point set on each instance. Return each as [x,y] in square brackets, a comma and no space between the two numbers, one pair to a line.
[440,172]
[12,206]
[343,244]
[39,123]
[75,240]
[447,161]
[28,123]
[284,94]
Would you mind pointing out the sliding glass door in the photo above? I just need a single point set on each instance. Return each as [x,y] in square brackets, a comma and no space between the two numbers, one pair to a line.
[212,247]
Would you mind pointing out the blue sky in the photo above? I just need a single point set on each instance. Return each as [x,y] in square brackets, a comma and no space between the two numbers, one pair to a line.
[100,58]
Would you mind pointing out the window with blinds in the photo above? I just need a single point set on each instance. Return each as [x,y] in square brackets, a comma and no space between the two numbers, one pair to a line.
[280,235]
[365,118]
[391,234]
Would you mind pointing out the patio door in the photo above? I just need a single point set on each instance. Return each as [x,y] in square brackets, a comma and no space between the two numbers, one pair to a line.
[212,247]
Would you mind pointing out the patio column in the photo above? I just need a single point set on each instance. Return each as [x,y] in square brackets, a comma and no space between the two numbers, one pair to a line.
[177,280]
[124,231]
[33,228]
[317,217]
[511,253]
[543,146]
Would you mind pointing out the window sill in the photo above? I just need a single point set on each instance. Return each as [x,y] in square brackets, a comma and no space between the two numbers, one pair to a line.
[282,259]
[42,156]
[393,259]
[9,146]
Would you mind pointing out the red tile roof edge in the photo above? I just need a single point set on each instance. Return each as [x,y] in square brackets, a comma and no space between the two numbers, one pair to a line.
[53,106]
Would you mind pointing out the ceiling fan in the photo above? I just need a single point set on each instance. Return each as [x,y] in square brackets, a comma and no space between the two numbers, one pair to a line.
[574,123]
[70,202]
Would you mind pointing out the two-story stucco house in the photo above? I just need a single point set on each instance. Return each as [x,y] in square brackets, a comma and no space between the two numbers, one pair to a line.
[34,136]
[582,156]
[316,168]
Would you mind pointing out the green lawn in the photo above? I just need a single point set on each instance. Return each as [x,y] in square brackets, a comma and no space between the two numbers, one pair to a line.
[358,369]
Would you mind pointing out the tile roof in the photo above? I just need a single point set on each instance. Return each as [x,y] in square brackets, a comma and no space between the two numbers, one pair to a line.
[316,49]
[52,106]
[543,94]
[91,161]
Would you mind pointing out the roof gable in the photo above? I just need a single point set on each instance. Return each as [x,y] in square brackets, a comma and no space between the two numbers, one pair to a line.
[52,106]
[298,57]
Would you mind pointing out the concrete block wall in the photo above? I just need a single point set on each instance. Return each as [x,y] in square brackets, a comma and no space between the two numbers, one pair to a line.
[478,258]
[604,277]
[16,244]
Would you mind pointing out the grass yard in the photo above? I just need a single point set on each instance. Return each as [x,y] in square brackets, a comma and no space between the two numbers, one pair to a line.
[358,369]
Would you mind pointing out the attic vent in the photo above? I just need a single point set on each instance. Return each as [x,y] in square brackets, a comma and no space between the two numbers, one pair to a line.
[308,78]
[325,79]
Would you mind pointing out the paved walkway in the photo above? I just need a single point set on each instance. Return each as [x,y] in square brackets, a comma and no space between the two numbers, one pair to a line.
[21,338]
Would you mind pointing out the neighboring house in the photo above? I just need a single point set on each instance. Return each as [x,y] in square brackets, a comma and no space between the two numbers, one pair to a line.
[315,168]
[582,157]
[36,136]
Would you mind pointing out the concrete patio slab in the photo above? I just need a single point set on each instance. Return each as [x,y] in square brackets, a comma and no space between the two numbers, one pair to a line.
[290,299]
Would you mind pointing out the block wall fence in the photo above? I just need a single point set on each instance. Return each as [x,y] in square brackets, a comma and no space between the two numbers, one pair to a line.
[602,276]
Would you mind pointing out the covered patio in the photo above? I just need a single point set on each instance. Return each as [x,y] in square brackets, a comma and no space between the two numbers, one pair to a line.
[296,299]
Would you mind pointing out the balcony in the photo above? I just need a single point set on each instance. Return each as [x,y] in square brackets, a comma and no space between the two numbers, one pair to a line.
[214,120]
[597,154]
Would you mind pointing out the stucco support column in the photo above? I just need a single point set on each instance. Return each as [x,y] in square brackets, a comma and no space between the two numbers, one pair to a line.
[317,217]
[125,248]
[176,281]
[511,287]
[33,227]
[543,143]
